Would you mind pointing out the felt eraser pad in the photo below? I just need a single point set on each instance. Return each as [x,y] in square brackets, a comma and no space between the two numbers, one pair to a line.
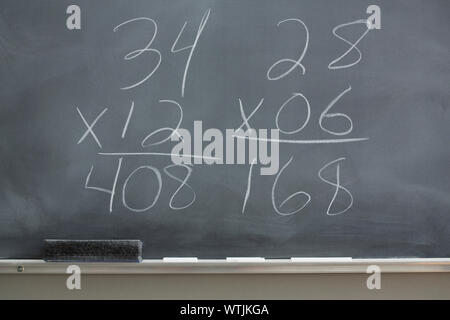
[92,250]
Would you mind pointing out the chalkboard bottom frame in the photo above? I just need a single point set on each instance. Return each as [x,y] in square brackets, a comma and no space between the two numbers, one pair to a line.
[299,265]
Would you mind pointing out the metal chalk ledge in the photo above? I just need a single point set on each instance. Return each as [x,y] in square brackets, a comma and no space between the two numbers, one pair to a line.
[231,265]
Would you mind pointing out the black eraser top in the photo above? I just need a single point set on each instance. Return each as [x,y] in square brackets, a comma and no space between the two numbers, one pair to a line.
[92,250]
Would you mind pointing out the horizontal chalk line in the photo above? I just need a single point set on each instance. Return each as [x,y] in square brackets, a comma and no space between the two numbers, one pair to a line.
[312,141]
[154,154]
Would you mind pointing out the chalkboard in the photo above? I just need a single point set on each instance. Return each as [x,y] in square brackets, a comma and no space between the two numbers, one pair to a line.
[227,128]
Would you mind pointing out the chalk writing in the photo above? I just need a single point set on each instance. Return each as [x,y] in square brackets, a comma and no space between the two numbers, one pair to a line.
[338,186]
[290,62]
[136,53]
[247,144]
[191,47]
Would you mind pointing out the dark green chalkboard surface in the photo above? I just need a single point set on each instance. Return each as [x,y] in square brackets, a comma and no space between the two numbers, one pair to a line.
[343,111]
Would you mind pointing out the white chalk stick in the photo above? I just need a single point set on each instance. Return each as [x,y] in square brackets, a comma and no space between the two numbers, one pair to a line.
[245,259]
[321,259]
[180,259]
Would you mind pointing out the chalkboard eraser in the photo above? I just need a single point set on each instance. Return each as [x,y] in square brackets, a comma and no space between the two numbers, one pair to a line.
[92,250]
